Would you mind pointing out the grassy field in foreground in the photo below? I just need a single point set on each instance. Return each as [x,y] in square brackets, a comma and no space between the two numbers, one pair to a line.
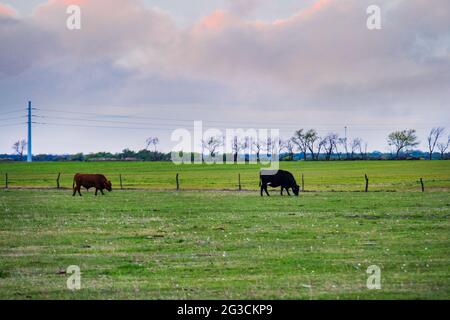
[229,245]
[323,176]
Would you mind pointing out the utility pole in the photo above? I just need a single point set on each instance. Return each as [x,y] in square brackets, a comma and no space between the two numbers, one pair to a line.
[29,155]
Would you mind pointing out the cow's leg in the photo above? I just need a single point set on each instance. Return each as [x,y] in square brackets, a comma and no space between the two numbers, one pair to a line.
[79,190]
[262,188]
[287,190]
[265,189]
[74,191]
[96,191]
[281,190]
[101,190]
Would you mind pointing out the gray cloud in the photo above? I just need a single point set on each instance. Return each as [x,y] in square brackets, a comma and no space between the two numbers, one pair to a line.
[320,59]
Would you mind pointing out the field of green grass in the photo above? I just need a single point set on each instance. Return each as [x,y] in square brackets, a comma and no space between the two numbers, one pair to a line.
[157,243]
[323,176]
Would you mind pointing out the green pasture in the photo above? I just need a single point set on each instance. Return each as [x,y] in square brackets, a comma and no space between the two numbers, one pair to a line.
[318,176]
[224,245]
[209,241]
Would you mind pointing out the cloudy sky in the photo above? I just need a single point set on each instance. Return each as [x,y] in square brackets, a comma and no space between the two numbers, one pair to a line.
[144,68]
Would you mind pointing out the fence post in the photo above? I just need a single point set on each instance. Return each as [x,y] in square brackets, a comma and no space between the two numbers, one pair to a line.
[121,185]
[423,186]
[239,181]
[6,180]
[303,182]
[178,182]
[367,183]
[57,180]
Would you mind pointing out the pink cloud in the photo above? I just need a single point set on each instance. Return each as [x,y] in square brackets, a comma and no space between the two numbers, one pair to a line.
[306,13]
[6,10]
[214,20]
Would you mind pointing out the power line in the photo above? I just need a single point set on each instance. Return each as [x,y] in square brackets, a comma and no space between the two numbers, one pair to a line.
[92,120]
[13,111]
[104,127]
[228,123]
[12,125]
[14,118]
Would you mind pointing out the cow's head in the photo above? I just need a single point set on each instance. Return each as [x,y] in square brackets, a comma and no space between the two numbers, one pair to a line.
[296,189]
[108,185]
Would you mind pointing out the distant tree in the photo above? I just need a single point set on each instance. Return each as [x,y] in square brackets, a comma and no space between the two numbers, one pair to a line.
[280,147]
[246,146]
[442,146]
[402,140]
[290,146]
[212,144]
[152,141]
[258,145]
[432,139]
[269,147]
[355,145]
[127,153]
[235,147]
[311,137]
[19,148]
[363,154]
[342,142]
[330,144]
[299,139]
[77,157]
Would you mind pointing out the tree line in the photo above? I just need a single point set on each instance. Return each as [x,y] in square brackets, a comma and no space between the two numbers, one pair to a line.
[305,144]
[311,146]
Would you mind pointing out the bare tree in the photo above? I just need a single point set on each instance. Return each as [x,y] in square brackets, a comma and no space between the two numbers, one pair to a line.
[311,137]
[402,140]
[342,142]
[364,155]
[299,139]
[290,146]
[330,144]
[152,141]
[269,147]
[322,143]
[258,145]
[211,144]
[246,146]
[433,138]
[235,147]
[19,148]
[281,146]
[442,146]
[355,145]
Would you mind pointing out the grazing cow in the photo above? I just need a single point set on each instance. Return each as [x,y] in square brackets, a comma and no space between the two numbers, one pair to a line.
[278,178]
[97,181]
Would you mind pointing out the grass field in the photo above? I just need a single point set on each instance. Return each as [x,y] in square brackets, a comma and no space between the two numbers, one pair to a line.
[323,176]
[153,244]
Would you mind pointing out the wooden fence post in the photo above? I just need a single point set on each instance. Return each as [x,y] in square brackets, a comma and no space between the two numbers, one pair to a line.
[57,180]
[6,181]
[367,183]
[239,181]
[303,182]
[178,182]
[423,186]
[121,184]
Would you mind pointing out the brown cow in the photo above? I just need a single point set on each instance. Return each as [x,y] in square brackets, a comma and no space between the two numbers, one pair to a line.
[97,181]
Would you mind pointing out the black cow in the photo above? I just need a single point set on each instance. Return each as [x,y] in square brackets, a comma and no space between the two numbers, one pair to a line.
[278,178]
